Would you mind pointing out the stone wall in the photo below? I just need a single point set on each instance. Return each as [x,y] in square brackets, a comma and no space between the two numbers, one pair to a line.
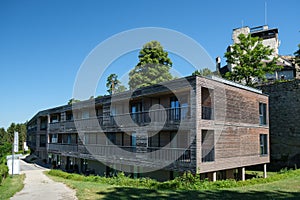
[284,102]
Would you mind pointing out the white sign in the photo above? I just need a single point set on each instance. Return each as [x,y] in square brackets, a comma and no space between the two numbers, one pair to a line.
[16,142]
[13,163]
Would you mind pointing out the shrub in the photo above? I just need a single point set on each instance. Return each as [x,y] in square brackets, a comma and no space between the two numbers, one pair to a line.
[3,172]
[188,181]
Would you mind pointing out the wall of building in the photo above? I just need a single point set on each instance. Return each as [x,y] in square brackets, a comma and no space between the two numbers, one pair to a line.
[236,127]
[284,103]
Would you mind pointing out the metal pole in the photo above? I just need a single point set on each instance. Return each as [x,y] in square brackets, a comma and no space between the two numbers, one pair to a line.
[12,159]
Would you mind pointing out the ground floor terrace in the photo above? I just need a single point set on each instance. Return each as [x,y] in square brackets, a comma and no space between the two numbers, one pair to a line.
[95,167]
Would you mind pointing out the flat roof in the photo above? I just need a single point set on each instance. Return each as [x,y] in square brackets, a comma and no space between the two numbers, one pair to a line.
[225,81]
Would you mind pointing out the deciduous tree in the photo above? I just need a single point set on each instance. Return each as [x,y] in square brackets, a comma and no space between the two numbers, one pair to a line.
[251,59]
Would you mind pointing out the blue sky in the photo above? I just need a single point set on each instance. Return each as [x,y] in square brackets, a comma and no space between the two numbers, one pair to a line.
[43,43]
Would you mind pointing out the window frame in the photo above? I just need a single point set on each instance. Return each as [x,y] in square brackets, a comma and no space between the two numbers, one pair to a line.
[263,144]
[211,155]
[262,111]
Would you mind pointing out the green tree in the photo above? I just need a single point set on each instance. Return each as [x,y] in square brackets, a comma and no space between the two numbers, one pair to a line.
[114,85]
[71,101]
[297,55]
[21,129]
[153,66]
[202,72]
[251,59]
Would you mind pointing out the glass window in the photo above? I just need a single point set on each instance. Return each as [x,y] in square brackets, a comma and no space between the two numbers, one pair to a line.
[207,146]
[154,140]
[133,139]
[53,138]
[42,140]
[263,140]
[69,116]
[207,103]
[85,114]
[175,109]
[262,113]
[101,138]
[54,118]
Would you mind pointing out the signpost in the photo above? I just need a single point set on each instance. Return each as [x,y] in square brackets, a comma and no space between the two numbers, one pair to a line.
[15,148]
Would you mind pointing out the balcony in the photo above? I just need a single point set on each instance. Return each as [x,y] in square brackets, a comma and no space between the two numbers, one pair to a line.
[157,154]
[169,115]
[57,147]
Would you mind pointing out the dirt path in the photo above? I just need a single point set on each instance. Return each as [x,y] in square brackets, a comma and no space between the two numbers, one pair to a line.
[38,186]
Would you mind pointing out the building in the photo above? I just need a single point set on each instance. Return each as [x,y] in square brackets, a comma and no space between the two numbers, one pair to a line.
[203,125]
[269,38]
[284,104]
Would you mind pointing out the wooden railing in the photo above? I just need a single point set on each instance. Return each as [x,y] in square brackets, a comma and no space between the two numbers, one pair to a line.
[169,115]
[151,154]
[57,147]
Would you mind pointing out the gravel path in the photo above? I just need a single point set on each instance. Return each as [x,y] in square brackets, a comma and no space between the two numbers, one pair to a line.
[39,187]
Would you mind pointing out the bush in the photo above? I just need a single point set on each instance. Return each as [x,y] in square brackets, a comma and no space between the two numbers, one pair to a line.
[3,172]
[188,181]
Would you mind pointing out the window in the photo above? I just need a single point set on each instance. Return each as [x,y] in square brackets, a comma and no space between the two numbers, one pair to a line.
[43,125]
[178,139]
[133,139]
[53,138]
[207,146]
[42,140]
[175,109]
[54,118]
[262,113]
[263,140]
[85,114]
[135,112]
[207,103]
[90,138]
[69,116]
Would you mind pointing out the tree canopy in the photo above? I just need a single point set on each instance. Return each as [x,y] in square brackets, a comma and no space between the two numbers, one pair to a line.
[7,136]
[153,66]
[202,72]
[114,85]
[71,101]
[250,59]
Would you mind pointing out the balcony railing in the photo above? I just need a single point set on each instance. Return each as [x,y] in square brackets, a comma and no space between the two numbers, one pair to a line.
[169,154]
[57,147]
[207,113]
[157,154]
[169,115]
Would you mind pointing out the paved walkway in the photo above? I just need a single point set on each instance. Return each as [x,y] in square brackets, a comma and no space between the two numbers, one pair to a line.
[39,187]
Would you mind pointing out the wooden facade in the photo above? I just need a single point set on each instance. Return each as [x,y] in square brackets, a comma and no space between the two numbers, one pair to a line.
[196,124]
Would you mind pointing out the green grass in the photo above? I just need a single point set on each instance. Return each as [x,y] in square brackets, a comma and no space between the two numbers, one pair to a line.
[277,186]
[11,185]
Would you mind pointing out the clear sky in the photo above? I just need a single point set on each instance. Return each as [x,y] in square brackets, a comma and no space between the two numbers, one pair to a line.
[43,43]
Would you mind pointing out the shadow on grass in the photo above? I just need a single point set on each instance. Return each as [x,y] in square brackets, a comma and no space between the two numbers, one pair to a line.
[138,193]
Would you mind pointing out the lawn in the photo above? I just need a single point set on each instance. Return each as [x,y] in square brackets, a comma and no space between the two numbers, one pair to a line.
[287,187]
[11,185]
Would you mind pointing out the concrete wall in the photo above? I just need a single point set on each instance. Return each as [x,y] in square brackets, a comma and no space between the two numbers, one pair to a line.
[284,123]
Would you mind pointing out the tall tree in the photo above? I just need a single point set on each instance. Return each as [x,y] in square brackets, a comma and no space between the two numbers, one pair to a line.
[153,66]
[114,85]
[202,72]
[251,59]
[297,55]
